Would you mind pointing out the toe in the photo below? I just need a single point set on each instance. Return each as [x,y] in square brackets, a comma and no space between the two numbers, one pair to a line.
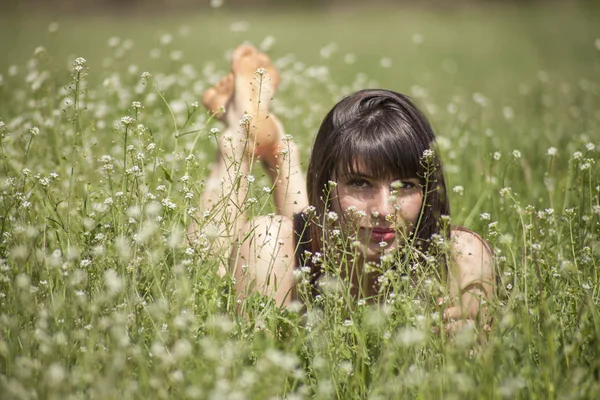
[227,83]
[265,62]
[208,97]
[243,51]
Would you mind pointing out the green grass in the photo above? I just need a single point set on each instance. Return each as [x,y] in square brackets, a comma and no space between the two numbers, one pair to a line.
[100,296]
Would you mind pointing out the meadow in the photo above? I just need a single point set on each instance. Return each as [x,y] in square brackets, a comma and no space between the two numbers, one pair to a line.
[105,149]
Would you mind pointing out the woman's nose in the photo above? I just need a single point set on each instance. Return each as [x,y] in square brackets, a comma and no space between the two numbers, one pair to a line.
[385,202]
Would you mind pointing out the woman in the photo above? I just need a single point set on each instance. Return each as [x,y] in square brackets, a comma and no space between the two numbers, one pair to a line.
[373,178]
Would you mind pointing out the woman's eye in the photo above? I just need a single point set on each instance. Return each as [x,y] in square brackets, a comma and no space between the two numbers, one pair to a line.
[359,183]
[405,185]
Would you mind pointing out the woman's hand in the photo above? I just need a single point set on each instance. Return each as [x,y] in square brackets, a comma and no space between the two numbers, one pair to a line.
[471,312]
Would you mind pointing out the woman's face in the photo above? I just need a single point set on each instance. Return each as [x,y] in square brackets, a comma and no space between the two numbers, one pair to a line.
[382,212]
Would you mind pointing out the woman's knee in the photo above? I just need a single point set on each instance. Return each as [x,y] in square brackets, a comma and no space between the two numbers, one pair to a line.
[266,235]
[264,258]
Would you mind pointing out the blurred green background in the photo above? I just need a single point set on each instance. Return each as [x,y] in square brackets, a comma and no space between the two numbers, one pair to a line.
[488,47]
[512,89]
[519,75]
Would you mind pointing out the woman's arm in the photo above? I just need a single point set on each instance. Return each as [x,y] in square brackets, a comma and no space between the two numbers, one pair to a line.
[471,281]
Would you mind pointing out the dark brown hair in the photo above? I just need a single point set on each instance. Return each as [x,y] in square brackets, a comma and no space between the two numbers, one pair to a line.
[386,131]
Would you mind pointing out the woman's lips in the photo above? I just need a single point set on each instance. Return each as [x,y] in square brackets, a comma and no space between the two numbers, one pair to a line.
[382,234]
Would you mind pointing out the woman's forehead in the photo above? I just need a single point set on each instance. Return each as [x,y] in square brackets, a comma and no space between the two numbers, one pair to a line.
[356,165]
[368,168]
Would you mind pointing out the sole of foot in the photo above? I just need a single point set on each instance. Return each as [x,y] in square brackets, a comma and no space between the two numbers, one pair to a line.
[255,82]
[217,98]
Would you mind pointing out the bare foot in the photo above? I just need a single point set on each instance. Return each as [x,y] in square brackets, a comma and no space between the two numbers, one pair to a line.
[216,99]
[255,81]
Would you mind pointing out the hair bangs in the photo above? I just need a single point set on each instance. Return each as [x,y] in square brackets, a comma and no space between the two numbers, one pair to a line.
[378,150]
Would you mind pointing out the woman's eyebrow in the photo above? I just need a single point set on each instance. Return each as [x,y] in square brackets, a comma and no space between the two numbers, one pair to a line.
[357,175]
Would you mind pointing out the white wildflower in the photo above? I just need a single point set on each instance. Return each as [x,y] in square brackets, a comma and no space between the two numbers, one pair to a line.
[386,62]
[245,121]
[55,375]
[169,204]
[397,185]
[166,39]
[590,146]
[79,63]
[508,112]
[417,38]
[127,120]
[113,281]
[409,337]
[505,191]
[428,155]
[114,41]
[332,216]
[587,164]
[480,99]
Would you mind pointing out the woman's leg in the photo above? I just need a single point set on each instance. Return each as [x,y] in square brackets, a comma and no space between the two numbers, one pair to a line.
[268,141]
[262,250]
[281,160]
[222,205]
[263,259]
[237,100]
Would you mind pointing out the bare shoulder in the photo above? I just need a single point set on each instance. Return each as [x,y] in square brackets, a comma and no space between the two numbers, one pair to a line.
[473,258]
[469,244]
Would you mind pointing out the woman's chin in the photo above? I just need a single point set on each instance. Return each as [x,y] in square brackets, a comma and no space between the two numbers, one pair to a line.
[373,251]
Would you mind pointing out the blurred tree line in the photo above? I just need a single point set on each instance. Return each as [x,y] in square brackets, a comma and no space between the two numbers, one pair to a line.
[174,5]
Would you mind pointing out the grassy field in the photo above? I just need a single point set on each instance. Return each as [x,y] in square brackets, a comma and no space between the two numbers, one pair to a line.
[101,297]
